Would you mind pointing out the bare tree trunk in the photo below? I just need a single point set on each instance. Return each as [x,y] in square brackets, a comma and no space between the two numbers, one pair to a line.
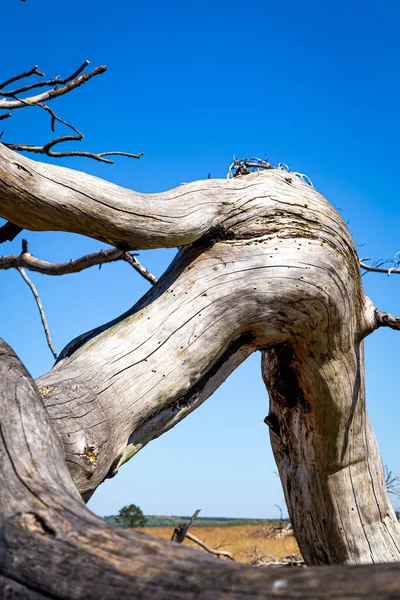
[51,546]
[327,454]
[267,264]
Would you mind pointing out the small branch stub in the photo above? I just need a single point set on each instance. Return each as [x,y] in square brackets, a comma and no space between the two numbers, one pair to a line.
[384,319]
[8,232]
[180,531]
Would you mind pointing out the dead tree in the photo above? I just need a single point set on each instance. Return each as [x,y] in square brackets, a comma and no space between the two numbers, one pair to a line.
[51,546]
[265,263]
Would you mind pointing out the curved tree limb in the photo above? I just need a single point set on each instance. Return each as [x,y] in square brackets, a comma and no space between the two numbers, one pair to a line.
[52,547]
[268,264]
[32,193]
[105,211]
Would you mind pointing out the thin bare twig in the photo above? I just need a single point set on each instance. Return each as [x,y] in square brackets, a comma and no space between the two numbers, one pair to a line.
[41,310]
[34,71]
[221,544]
[130,258]
[203,545]
[26,260]
[384,319]
[182,531]
[12,101]
[46,149]
[246,166]
[53,115]
[392,482]
[379,269]
[53,93]
[48,83]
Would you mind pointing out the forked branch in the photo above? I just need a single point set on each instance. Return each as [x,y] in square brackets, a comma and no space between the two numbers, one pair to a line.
[67,85]
[214,551]
[34,71]
[47,149]
[378,267]
[12,100]
[27,261]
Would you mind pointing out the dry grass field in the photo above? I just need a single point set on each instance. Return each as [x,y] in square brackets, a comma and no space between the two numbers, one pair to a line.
[247,543]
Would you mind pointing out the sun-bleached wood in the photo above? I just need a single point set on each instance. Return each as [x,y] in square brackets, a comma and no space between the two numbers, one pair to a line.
[267,264]
[51,546]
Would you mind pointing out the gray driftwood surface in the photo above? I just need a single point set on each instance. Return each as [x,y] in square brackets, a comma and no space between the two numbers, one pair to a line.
[266,263]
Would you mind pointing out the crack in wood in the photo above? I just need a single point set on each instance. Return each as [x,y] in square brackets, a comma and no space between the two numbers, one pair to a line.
[192,395]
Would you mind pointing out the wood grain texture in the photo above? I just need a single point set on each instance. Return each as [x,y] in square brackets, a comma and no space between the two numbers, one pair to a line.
[51,546]
[266,264]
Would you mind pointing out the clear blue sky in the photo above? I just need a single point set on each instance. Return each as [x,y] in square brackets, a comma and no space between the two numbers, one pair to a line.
[315,85]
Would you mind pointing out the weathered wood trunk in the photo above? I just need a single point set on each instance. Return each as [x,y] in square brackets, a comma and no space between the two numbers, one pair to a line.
[51,546]
[327,455]
[266,264]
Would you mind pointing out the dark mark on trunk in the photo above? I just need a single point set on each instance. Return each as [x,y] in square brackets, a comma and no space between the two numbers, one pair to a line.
[284,384]
[219,233]
[191,395]
[273,423]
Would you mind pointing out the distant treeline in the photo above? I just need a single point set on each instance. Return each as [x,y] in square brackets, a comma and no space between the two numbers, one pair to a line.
[164,521]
